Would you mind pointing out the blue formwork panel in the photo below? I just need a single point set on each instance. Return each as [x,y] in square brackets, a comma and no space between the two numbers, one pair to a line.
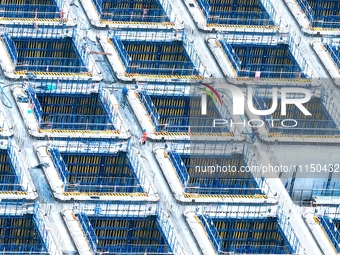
[125,235]
[178,113]
[331,187]
[19,235]
[334,52]
[53,55]
[331,227]
[131,10]
[31,9]
[61,111]
[319,123]
[321,14]
[9,181]
[154,58]
[273,61]
[214,175]
[247,236]
[235,12]
[99,172]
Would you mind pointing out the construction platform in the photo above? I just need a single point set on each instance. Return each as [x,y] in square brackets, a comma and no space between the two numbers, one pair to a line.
[78,111]
[24,230]
[256,58]
[35,13]
[310,175]
[51,53]
[108,171]
[6,128]
[149,230]
[15,181]
[168,112]
[211,16]
[321,126]
[214,172]
[144,14]
[118,196]
[325,224]
[152,56]
[316,18]
[243,230]
[328,52]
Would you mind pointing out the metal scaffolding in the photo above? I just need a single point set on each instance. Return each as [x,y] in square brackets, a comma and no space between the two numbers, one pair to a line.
[267,56]
[321,14]
[202,170]
[324,119]
[52,50]
[11,178]
[178,108]
[23,229]
[134,11]
[162,55]
[130,232]
[331,227]
[35,10]
[114,170]
[69,108]
[238,12]
[250,234]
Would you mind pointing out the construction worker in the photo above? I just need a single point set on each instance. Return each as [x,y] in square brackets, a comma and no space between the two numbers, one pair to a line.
[255,131]
[145,11]
[62,15]
[144,136]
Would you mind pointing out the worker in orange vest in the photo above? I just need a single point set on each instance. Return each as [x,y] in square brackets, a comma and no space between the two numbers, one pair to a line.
[144,136]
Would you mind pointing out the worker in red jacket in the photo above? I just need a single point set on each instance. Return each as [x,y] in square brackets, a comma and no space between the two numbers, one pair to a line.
[144,136]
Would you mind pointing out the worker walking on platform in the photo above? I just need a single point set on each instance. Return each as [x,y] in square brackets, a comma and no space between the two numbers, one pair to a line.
[145,11]
[144,137]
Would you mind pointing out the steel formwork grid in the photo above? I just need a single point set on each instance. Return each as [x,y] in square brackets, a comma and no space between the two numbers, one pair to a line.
[11,177]
[321,14]
[201,171]
[238,12]
[181,113]
[272,234]
[130,231]
[331,228]
[164,55]
[329,188]
[99,170]
[51,50]
[35,10]
[332,48]
[134,11]
[23,229]
[178,108]
[72,111]
[323,121]
[267,55]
